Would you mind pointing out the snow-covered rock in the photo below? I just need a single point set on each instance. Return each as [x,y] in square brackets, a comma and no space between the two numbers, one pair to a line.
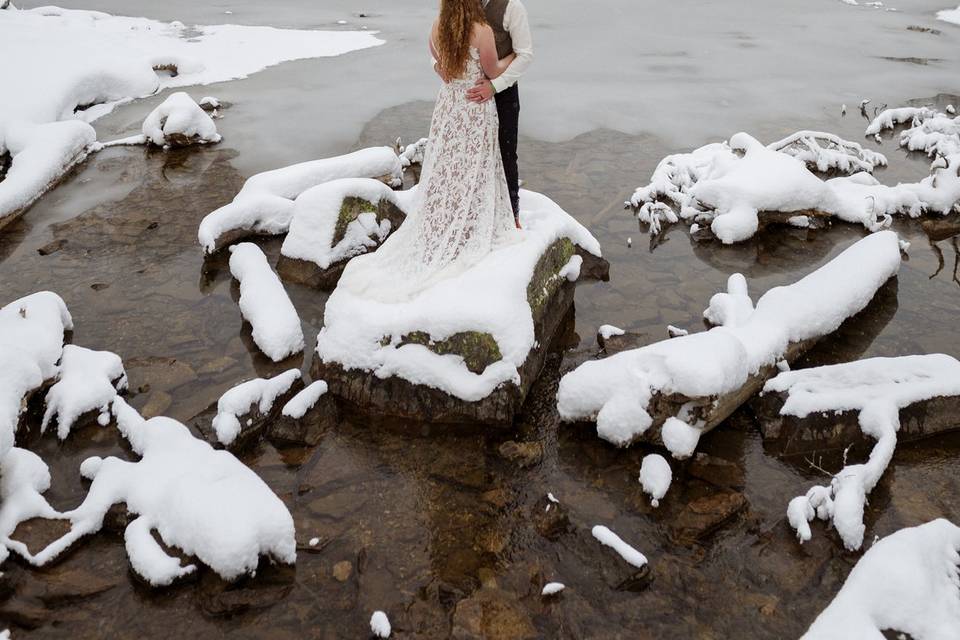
[908,582]
[655,477]
[877,388]
[617,391]
[258,394]
[464,336]
[307,399]
[31,343]
[414,153]
[608,538]
[265,304]
[200,500]
[23,479]
[265,204]
[337,220]
[88,61]
[86,381]
[552,588]
[178,122]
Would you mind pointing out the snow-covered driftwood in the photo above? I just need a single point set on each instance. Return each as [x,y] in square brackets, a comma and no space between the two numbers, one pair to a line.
[265,304]
[31,342]
[689,384]
[876,389]
[908,582]
[335,221]
[265,204]
[738,186]
[200,500]
[826,152]
[80,64]
[468,347]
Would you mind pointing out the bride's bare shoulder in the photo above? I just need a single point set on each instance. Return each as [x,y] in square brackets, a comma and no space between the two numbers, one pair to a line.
[482,32]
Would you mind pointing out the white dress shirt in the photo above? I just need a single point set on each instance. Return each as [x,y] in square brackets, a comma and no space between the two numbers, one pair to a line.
[515,22]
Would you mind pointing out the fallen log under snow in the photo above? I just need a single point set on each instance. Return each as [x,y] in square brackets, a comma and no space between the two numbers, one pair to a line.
[875,389]
[691,383]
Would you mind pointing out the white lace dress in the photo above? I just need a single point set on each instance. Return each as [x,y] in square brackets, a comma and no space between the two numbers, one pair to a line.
[462,209]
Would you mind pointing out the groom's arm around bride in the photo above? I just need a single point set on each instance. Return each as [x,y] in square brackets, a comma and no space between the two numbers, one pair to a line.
[511,30]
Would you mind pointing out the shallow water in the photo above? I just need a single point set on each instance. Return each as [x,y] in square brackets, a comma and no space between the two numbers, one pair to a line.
[434,521]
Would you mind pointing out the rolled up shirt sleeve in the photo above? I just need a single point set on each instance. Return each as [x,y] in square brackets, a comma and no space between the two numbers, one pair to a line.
[515,21]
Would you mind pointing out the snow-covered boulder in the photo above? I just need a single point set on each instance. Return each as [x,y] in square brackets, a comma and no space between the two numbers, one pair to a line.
[86,381]
[179,122]
[335,221]
[876,389]
[246,409]
[202,501]
[907,583]
[31,343]
[306,417]
[466,348]
[265,304]
[697,380]
[80,64]
[265,204]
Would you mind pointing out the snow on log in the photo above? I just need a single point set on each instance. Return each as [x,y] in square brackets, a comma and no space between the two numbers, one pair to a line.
[466,348]
[179,122]
[414,153]
[265,204]
[701,378]
[86,381]
[31,342]
[336,221]
[259,394]
[907,583]
[83,63]
[265,304]
[200,500]
[23,479]
[877,389]
[826,152]
[890,118]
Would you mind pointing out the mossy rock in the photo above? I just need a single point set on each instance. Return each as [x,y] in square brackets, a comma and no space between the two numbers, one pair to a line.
[546,278]
[478,349]
[352,207]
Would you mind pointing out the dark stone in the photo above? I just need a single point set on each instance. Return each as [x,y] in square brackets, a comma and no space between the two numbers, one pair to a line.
[550,518]
[52,247]
[625,342]
[37,533]
[593,268]
[491,614]
[525,454]
[702,516]
[717,471]
[309,429]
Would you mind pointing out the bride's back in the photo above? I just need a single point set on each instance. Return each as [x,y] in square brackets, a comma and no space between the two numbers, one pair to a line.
[456,38]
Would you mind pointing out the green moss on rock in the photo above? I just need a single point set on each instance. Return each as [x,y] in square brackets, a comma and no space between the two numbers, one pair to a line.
[478,349]
[351,207]
[546,278]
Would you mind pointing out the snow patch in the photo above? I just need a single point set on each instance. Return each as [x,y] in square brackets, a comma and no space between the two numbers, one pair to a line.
[87,381]
[655,477]
[608,538]
[552,588]
[380,625]
[299,404]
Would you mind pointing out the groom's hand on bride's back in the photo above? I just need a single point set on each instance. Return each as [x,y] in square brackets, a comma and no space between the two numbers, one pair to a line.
[481,91]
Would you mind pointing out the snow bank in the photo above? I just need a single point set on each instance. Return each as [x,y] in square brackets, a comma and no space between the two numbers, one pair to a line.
[715,185]
[23,478]
[265,203]
[907,583]
[241,400]
[617,391]
[380,625]
[87,381]
[877,388]
[265,304]
[608,538]
[83,58]
[31,342]
[299,404]
[655,477]
[490,297]
[179,121]
[949,15]
[202,501]
[321,233]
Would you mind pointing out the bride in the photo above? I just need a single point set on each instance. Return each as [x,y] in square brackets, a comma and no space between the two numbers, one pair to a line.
[462,207]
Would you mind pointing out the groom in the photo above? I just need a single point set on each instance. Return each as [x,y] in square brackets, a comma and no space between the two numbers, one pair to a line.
[511,29]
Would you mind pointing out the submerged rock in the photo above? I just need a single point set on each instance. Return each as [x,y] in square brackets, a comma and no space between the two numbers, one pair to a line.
[491,614]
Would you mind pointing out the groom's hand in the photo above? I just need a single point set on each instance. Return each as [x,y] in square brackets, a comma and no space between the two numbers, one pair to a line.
[481,91]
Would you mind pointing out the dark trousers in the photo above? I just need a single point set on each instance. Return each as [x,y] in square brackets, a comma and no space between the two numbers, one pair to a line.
[508,107]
